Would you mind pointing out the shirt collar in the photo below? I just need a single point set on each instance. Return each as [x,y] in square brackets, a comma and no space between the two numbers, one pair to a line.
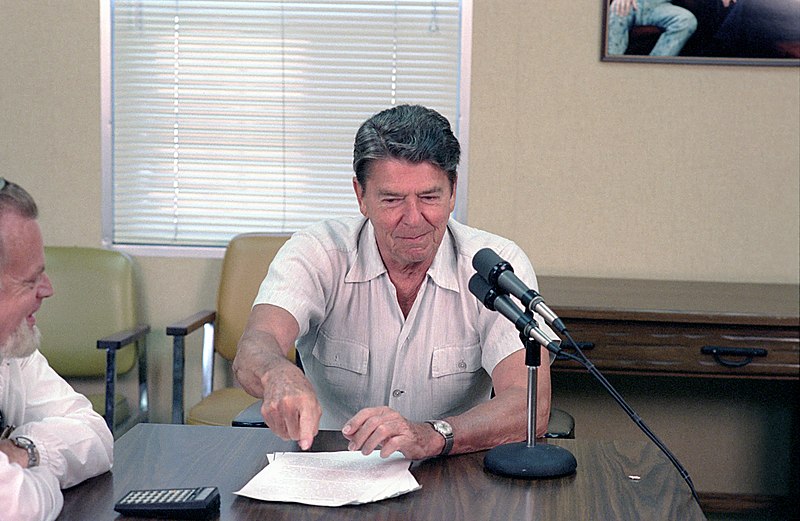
[444,270]
[369,265]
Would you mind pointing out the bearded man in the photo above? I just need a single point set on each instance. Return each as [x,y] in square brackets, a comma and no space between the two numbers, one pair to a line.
[50,438]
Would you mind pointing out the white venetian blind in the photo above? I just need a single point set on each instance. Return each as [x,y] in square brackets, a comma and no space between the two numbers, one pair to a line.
[239,116]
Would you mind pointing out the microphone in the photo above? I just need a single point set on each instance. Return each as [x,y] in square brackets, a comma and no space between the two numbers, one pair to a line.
[495,301]
[523,459]
[499,273]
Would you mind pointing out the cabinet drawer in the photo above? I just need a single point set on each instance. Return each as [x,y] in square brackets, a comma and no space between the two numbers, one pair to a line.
[658,347]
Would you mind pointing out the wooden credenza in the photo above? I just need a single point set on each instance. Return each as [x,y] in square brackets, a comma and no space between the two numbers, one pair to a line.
[708,329]
[686,329]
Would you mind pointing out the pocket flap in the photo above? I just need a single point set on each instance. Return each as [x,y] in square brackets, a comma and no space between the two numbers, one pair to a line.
[455,359]
[342,354]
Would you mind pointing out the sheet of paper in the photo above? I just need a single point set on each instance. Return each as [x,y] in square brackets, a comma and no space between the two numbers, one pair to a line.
[331,478]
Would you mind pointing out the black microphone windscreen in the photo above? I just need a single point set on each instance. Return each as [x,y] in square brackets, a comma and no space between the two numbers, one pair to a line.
[485,261]
[479,287]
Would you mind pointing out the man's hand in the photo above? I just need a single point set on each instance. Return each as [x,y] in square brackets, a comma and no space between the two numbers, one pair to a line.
[290,408]
[623,7]
[15,454]
[261,366]
[385,428]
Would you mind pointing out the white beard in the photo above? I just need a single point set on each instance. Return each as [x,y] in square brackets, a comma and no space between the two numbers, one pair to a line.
[22,342]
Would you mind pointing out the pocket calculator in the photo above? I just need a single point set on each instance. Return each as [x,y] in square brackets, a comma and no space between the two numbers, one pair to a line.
[175,503]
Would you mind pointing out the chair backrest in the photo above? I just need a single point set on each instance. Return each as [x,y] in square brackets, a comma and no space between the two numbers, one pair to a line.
[94,296]
[245,265]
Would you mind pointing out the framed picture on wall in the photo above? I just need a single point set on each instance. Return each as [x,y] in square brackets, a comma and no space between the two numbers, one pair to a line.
[739,32]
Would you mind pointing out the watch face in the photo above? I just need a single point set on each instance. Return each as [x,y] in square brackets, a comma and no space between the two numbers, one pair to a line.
[22,442]
[443,427]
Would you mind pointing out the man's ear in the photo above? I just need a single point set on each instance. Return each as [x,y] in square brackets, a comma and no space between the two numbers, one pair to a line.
[453,195]
[359,196]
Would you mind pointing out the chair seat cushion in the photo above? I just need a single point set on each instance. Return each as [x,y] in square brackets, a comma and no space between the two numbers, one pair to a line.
[220,407]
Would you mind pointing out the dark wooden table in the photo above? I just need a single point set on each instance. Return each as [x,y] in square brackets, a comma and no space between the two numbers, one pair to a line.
[458,488]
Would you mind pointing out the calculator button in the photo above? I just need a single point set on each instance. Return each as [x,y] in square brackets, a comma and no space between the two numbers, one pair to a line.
[204,493]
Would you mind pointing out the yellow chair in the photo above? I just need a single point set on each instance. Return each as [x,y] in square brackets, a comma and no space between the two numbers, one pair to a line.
[90,328]
[244,266]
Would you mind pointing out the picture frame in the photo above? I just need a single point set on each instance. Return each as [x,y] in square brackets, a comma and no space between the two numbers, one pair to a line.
[718,32]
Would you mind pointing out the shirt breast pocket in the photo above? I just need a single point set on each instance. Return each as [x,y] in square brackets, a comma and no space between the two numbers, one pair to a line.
[455,371]
[344,366]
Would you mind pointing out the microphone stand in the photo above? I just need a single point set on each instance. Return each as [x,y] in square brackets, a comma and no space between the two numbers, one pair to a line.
[527,459]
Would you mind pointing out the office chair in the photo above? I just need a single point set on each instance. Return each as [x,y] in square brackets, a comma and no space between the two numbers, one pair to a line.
[244,266]
[90,329]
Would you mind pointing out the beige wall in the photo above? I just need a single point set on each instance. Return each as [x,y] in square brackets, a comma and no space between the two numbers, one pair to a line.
[596,169]
[629,170]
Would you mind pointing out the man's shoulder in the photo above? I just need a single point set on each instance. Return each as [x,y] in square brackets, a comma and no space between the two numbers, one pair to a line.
[469,240]
[32,363]
[339,233]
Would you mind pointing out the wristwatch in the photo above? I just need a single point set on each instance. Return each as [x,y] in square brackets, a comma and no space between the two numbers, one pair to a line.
[443,428]
[26,443]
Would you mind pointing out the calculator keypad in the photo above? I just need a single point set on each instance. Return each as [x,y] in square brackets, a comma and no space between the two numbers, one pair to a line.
[177,495]
[179,503]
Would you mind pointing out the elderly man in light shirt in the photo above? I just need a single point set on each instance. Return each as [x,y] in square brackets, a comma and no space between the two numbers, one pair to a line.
[50,438]
[397,352]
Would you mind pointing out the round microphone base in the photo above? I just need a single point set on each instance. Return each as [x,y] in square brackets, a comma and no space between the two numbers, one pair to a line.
[518,460]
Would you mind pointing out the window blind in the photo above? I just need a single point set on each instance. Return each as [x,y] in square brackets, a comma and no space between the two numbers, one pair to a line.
[239,116]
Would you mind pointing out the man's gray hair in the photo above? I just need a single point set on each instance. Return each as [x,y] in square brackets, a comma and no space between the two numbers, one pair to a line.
[411,133]
[14,199]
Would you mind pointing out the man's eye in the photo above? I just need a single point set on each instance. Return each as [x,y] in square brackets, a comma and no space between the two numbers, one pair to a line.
[32,283]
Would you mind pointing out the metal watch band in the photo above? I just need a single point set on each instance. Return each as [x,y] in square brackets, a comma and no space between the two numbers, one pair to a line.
[446,431]
[26,443]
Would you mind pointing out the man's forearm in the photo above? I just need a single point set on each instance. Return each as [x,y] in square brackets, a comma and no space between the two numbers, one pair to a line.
[256,354]
[29,494]
[500,420]
[503,419]
[290,407]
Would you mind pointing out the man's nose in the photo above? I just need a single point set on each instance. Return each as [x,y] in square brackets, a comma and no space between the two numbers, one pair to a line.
[46,287]
[412,213]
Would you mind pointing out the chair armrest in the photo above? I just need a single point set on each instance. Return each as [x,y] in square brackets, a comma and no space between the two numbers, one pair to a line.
[192,323]
[123,338]
[112,344]
[178,332]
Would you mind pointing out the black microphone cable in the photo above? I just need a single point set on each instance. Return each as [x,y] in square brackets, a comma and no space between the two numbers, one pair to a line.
[585,362]
[499,275]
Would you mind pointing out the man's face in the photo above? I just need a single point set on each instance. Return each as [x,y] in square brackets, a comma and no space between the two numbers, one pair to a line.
[409,205]
[23,285]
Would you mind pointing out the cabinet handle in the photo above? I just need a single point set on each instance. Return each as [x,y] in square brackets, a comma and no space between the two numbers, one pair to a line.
[747,352]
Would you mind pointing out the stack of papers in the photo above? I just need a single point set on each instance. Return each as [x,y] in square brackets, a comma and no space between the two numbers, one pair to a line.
[331,478]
